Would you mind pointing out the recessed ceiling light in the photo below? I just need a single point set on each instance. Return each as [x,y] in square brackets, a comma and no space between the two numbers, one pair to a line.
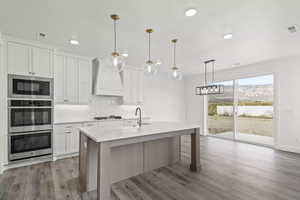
[74,42]
[292,29]
[227,36]
[190,12]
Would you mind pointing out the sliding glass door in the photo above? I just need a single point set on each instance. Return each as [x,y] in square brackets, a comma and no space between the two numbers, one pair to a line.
[244,112]
[220,121]
[255,109]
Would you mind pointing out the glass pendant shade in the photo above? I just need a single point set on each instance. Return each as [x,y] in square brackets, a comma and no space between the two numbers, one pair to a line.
[175,74]
[151,68]
[117,60]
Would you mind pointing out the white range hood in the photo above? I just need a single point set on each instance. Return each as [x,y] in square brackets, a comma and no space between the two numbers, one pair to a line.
[106,78]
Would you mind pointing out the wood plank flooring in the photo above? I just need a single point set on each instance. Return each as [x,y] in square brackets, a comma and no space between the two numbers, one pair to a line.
[230,171]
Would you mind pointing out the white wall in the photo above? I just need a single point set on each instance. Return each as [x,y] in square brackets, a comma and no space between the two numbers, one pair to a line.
[163,101]
[2,99]
[287,97]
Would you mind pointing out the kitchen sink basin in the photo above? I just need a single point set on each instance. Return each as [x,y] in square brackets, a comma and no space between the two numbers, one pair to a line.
[143,124]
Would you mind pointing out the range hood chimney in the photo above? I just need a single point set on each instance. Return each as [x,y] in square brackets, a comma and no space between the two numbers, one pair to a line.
[106,79]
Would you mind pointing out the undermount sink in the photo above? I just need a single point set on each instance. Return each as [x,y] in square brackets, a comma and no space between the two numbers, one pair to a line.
[143,124]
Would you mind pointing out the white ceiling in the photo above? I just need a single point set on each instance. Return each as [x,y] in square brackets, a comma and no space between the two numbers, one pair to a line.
[259,28]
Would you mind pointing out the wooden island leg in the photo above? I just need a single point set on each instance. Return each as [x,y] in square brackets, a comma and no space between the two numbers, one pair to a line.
[103,172]
[195,151]
[83,139]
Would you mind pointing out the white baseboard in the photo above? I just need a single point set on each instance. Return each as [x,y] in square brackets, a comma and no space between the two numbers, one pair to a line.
[63,156]
[288,148]
[25,163]
[32,162]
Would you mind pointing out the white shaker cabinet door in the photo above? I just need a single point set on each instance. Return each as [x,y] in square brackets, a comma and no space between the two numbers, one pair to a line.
[42,62]
[18,59]
[60,142]
[85,81]
[59,79]
[73,139]
[71,80]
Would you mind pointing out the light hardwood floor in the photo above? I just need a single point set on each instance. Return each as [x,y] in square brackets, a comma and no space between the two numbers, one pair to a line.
[230,171]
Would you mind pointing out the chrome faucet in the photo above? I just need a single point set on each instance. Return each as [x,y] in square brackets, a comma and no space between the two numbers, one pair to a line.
[140,116]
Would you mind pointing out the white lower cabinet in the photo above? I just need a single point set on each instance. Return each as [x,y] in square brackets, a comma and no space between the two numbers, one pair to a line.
[66,139]
[66,136]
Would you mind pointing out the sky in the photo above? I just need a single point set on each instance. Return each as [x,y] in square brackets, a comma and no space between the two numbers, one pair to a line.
[259,80]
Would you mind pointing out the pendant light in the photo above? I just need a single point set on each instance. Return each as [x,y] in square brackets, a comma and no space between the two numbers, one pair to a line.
[175,73]
[151,67]
[117,60]
[209,89]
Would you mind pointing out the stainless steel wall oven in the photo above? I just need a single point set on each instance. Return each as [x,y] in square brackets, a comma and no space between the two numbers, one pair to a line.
[30,128]
[25,145]
[29,115]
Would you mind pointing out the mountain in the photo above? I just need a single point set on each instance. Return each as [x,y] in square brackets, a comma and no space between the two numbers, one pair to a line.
[246,93]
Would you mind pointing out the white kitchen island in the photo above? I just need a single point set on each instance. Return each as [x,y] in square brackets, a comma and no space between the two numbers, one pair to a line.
[111,154]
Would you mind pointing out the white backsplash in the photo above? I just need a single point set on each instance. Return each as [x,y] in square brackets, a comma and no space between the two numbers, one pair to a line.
[99,106]
[163,100]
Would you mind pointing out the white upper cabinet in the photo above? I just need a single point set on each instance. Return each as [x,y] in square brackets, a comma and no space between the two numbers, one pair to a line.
[59,78]
[133,86]
[85,81]
[18,59]
[72,80]
[42,62]
[29,60]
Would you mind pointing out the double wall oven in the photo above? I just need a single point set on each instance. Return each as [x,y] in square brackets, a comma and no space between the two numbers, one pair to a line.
[30,117]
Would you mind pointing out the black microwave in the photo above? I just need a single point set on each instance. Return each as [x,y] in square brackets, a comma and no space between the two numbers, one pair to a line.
[29,87]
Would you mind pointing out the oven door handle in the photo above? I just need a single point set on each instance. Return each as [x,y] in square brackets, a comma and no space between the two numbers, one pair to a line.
[30,133]
[25,107]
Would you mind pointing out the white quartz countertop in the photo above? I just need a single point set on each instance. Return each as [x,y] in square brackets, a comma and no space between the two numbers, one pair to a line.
[77,121]
[106,134]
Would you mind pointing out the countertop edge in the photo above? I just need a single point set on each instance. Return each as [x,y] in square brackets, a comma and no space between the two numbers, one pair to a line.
[93,120]
[83,129]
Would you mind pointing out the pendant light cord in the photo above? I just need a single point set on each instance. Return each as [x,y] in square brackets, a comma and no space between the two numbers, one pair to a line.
[213,72]
[149,47]
[205,73]
[174,54]
[115,36]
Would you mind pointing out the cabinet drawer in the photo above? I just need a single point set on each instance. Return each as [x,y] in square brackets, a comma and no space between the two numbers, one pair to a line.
[66,127]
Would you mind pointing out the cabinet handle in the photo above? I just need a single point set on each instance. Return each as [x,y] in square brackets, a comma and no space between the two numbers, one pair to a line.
[68,127]
[65,100]
[68,132]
